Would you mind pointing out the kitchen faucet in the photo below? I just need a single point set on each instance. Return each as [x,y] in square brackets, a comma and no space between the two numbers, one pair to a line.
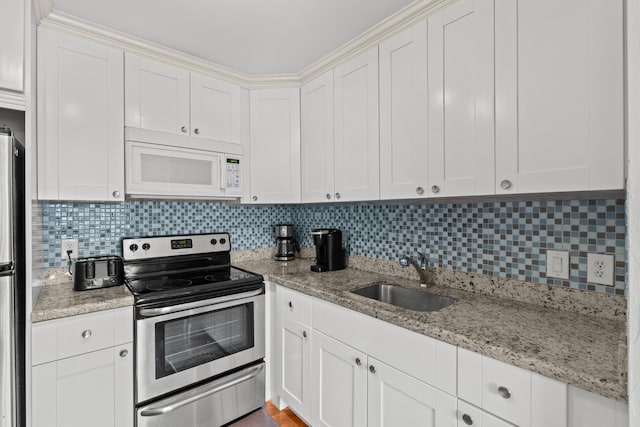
[424,271]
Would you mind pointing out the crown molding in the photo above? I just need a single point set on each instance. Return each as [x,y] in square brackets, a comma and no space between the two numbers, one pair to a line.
[400,20]
[41,9]
[404,18]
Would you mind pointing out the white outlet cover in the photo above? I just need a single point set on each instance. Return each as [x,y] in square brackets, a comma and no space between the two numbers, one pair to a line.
[69,244]
[558,264]
[600,268]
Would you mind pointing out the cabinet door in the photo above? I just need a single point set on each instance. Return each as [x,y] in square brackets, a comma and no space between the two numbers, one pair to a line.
[592,410]
[357,151]
[274,147]
[12,36]
[559,95]
[339,378]
[295,355]
[156,96]
[397,399]
[316,145]
[461,99]
[92,389]
[215,109]
[403,114]
[80,119]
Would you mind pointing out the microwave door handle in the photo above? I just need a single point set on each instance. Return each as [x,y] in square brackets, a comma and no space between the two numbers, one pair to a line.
[238,378]
[223,175]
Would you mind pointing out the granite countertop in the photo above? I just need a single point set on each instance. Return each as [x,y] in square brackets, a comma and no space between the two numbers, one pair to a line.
[579,349]
[58,299]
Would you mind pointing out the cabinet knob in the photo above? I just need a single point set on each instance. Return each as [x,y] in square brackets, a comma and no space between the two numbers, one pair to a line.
[467,419]
[290,304]
[505,184]
[328,196]
[337,195]
[196,131]
[304,334]
[184,129]
[504,392]
[124,353]
[435,189]
[86,333]
[372,369]
[358,361]
[254,198]
[116,194]
[420,190]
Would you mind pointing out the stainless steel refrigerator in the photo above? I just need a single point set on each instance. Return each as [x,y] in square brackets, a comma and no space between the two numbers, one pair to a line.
[12,281]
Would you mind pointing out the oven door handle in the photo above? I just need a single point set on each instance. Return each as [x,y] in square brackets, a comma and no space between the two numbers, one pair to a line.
[151,312]
[235,379]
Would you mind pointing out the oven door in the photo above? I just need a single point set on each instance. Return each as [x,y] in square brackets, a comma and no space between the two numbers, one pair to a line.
[177,346]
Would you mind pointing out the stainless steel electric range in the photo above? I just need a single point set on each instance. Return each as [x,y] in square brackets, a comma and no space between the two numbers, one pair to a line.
[199,331]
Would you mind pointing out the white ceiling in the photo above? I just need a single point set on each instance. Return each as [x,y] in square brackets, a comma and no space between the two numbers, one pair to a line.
[251,36]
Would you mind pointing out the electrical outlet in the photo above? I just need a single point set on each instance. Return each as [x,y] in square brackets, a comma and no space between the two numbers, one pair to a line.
[600,269]
[69,245]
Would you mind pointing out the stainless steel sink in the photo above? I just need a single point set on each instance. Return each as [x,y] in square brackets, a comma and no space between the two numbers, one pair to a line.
[405,298]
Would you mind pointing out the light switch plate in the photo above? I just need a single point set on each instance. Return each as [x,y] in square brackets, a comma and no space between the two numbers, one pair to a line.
[558,264]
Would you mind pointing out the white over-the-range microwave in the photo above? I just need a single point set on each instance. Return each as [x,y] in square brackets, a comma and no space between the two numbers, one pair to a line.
[161,165]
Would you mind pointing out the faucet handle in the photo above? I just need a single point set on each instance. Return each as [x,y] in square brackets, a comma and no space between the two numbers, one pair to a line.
[404,261]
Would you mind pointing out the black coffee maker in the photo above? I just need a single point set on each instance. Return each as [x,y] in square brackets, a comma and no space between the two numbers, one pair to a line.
[330,254]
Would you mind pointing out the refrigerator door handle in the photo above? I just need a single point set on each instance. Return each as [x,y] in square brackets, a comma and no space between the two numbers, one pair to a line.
[7,352]
[6,199]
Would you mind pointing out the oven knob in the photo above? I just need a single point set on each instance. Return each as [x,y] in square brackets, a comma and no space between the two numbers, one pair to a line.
[146,246]
[214,241]
[223,241]
[133,247]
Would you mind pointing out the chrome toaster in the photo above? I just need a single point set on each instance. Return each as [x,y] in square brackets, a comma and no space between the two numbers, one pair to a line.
[97,272]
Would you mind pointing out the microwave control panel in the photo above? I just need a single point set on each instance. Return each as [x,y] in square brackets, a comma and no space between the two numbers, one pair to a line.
[233,176]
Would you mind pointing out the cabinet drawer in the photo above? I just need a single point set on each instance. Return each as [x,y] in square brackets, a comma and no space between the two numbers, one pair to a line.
[294,305]
[469,415]
[506,391]
[71,336]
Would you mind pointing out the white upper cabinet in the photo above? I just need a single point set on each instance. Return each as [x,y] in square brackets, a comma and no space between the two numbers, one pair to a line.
[357,150]
[403,114]
[317,142]
[461,99]
[559,95]
[12,20]
[274,146]
[215,109]
[157,96]
[161,97]
[80,119]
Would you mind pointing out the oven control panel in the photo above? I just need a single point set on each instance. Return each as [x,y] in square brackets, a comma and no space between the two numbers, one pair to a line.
[163,246]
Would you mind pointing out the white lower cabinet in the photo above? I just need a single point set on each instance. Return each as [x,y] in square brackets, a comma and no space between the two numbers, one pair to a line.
[83,371]
[469,415]
[588,409]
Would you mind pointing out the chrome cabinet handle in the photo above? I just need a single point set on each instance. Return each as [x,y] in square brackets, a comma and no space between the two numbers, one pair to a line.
[116,194]
[504,392]
[372,369]
[86,333]
[420,190]
[358,361]
[467,419]
[337,195]
[184,129]
[505,184]
[196,131]
[124,353]
[254,198]
[328,196]
[435,189]
[304,334]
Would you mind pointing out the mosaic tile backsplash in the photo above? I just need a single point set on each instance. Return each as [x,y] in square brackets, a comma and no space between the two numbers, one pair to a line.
[504,239]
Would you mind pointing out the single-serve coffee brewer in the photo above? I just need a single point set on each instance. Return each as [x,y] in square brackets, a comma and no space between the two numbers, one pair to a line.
[330,254]
[286,244]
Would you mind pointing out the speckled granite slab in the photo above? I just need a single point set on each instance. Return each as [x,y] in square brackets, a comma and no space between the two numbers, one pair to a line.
[573,348]
[58,299]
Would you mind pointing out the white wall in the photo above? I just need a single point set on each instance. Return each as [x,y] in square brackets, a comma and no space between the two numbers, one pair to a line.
[633,206]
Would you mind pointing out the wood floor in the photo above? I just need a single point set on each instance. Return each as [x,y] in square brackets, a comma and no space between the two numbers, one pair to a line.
[284,418]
